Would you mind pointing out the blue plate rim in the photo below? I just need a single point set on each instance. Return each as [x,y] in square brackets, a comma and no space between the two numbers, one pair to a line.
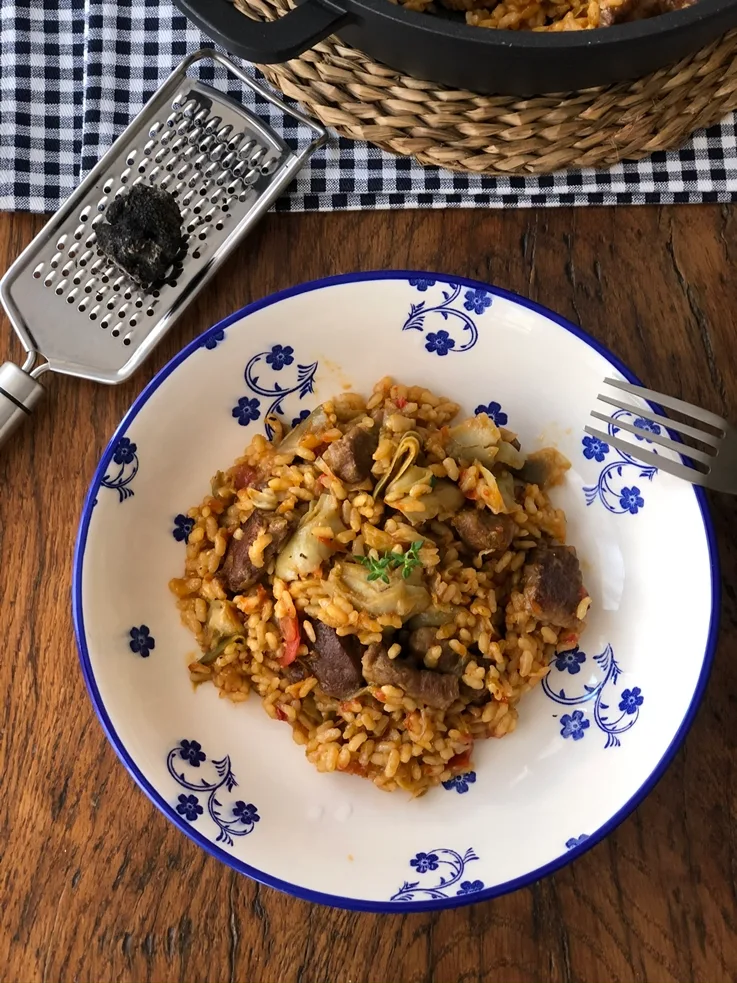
[356,904]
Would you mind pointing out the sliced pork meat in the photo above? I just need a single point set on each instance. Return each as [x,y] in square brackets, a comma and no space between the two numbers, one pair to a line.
[336,662]
[553,586]
[623,12]
[419,643]
[434,689]
[238,571]
[484,532]
[351,457]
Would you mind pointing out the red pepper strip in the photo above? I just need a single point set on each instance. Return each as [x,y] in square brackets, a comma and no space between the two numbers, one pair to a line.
[290,633]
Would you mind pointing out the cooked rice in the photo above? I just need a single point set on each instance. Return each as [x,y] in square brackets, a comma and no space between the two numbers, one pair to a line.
[534,15]
[382,733]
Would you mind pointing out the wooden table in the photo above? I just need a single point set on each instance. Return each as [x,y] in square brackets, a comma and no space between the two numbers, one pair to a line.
[95,885]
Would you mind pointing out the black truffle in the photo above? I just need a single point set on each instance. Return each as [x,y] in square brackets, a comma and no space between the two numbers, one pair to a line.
[143,233]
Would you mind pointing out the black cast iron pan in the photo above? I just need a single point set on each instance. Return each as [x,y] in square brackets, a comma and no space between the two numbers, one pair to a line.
[479,59]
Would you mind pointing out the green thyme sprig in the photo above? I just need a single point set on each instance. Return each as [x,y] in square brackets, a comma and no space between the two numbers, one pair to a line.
[406,562]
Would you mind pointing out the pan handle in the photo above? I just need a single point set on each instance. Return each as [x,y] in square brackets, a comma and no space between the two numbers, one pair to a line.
[19,393]
[274,41]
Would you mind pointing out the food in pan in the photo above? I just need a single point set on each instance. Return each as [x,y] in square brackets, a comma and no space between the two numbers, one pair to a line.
[550,15]
[388,580]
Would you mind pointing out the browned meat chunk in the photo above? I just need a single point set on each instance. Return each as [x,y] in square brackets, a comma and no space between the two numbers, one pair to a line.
[553,586]
[237,570]
[336,662]
[297,671]
[434,689]
[484,532]
[628,10]
[421,640]
[351,457]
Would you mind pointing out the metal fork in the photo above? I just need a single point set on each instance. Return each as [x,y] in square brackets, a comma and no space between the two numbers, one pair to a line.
[714,466]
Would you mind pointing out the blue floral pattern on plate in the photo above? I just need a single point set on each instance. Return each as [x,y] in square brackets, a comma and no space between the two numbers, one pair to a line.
[123,469]
[214,340]
[616,496]
[183,526]
[141,641]
[460,783]
[440,342]
[494,411]
[263,378]
[447,868]
[236,818]
[576,724]
[576,841]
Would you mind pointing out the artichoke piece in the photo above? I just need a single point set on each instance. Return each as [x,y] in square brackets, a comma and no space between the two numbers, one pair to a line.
[223,618]
[405,455]
[314,423]
[374,597]
[444,496]
[477,438]
[510,456]
[304,553]
[496,492]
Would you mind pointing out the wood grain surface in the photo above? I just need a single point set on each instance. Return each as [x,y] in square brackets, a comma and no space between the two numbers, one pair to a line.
[95,885]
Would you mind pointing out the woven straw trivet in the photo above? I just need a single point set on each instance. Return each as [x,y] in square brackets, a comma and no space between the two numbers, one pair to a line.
[462,131]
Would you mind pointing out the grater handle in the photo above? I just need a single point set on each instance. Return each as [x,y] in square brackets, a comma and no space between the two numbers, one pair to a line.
[19,393]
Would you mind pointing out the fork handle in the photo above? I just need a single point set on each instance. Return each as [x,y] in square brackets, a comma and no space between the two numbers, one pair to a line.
[19,393]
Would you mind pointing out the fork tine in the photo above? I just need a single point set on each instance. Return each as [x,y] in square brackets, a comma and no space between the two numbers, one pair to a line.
[674,445]
[688,409]
[707,438]
[648,457]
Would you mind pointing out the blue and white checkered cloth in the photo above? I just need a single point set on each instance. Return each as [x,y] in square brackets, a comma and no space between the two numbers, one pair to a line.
[74,72]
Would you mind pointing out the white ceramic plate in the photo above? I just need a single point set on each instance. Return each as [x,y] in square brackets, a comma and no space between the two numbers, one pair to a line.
[590,742]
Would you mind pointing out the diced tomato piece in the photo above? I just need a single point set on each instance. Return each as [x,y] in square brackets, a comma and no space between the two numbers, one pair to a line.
[280,713]
[461,761]
[290,634]
[401,402]
[244,475]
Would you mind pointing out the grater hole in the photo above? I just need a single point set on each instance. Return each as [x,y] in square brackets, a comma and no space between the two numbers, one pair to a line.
[77,278]
[110,304]
[202,235]
[196,254]
[126,341]
[156,293]
[101,207]
[93,315]
[105,323]
[70,299]
[37,274]
[225,207]
[107,187]
[190,227]
[54,263]
[139,302]
[88,290]
[59,290]
[141,168]
[133,322]
[123,178]
[150,312]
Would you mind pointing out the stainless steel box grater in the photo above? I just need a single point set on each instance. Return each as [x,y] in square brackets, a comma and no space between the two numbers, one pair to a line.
[77,313]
